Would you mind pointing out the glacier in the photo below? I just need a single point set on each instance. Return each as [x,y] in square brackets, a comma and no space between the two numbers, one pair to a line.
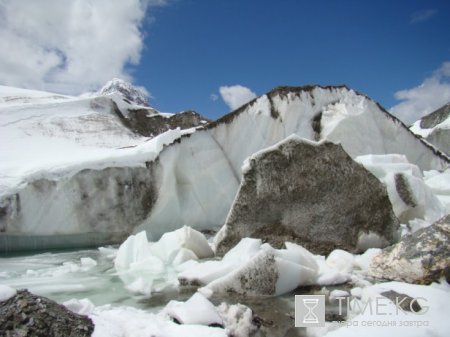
[63,153]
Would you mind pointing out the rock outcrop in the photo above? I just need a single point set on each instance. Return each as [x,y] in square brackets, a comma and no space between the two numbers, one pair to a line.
[422,257]
[149,123]
[28,315]
[312,194]
[435,128]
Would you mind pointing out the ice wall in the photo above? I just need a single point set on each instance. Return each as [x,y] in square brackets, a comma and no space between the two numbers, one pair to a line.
[194,180]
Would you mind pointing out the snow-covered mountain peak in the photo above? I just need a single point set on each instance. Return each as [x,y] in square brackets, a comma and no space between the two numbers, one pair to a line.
[130,93]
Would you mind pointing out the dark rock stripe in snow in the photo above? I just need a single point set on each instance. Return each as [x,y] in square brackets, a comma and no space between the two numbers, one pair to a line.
[436,117]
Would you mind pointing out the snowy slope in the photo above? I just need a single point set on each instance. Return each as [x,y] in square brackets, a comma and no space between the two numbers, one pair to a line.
[46,135]
[54,163]
[14,96]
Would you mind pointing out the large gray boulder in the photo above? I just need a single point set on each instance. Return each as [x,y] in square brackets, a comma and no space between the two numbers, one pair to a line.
[312,194]
[422,257]
[29,315]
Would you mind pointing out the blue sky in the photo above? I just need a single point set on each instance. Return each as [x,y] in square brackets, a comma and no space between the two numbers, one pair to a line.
[183,51]
[380,47]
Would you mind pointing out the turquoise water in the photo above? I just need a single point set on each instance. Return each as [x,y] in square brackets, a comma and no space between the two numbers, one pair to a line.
[62,276]
[90,273]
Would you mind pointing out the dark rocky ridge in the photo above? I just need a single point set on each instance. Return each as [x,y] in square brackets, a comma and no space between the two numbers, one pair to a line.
[436,117]
[146,121]
[149,123]
[311,194]
[280,90]
[28,315]
[439,137]
[283,91]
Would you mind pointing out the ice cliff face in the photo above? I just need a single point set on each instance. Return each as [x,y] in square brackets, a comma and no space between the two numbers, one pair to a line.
[194,180]
[201,174]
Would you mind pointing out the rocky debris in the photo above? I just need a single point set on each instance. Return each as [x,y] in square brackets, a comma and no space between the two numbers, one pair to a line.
[28,315]
[129,93]
[150,123]
[422,257]
[309,193]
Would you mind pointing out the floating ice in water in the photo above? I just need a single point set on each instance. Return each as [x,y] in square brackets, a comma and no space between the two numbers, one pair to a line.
[170,244]
[249,268]
[145,267]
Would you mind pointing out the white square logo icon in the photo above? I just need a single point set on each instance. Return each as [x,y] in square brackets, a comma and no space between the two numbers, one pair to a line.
[309,311]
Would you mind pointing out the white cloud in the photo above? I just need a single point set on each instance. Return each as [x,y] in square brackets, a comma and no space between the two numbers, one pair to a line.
[213,97]
[236,95]
[70,46]
[419,101]
[423,15]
